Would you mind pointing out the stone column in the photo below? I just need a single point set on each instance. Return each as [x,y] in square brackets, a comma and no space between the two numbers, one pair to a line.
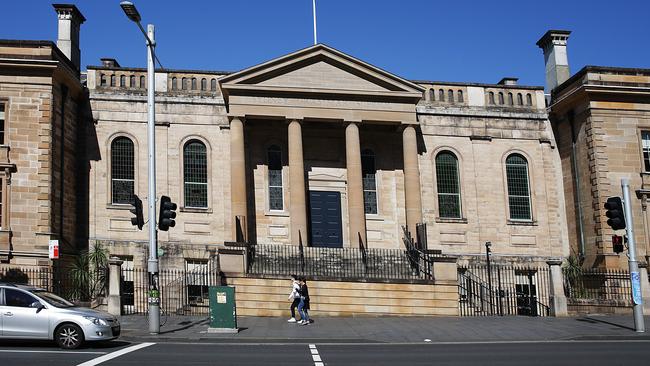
[645,287]
[556,290]
[411,178]
[237,177]
[297,201]
[356,212]
[114,295]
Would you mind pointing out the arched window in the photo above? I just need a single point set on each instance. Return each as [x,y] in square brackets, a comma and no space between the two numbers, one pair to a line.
[510,99]
[500,98]
[193,83]
[213,84]
[122,170]
[102,80]
[132,81]
[174,83]
[520,99]
[448,182]
[432,95]
[184,83]
[529,99]
[122,81]
[274,156]
[491,97]
[441,95]
[450,95]
[204,84]
[112,80]
[143,82]
[195,174]
[368,173]
[518,187]
[460,96]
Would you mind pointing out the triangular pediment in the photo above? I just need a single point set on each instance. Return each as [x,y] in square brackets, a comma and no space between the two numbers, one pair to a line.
[319,70]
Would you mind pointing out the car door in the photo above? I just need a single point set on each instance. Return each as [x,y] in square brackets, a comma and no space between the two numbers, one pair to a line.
[1,308]
[20,319]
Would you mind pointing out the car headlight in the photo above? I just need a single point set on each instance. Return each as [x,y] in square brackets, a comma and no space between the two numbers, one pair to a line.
[96,321]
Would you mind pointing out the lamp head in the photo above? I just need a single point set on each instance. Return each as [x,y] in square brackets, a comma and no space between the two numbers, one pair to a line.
[130,11]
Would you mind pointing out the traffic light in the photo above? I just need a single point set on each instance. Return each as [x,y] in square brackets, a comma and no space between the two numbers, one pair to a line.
[617,243]
[167,214]
[138,220]
[615,213]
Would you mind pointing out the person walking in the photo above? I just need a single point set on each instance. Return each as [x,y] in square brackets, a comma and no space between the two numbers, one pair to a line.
[294,297]
[303,307]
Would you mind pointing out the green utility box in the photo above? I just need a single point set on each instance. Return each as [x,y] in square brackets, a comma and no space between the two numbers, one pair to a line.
[223,312]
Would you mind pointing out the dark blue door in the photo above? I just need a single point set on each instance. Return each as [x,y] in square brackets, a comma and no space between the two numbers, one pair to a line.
[326,227]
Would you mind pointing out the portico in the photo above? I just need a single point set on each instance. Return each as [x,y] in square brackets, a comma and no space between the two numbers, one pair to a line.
[343,105]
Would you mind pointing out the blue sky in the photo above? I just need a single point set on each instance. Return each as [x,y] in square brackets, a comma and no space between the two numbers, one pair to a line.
[468,41]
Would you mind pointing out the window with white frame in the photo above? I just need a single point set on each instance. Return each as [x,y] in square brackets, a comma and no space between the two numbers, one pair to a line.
[369,178]
[448,184]
[122,170]
[645,145]
[274,156]
[195,174]
[518,187]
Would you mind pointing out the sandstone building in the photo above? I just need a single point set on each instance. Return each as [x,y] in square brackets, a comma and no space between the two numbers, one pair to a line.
[43,111]
[601,120]
[321,148]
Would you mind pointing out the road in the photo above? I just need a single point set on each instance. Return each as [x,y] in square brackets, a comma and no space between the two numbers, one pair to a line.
[593,353]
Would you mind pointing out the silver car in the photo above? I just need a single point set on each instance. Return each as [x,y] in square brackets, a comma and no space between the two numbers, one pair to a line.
[33,313]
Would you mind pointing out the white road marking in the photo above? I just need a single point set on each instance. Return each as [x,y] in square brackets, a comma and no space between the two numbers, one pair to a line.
[61,352]
[315,356]
[115,354]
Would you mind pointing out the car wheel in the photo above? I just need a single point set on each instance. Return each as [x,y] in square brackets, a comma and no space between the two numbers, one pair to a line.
[69,336]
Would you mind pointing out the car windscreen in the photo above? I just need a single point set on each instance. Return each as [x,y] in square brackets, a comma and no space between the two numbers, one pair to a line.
[53,299]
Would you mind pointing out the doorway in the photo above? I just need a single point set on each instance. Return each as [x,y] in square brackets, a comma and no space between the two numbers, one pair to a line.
[325,213]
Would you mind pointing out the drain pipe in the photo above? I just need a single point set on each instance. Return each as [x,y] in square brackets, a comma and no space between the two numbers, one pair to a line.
[577,200]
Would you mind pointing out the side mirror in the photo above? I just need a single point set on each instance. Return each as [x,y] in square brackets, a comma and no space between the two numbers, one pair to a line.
[38,306]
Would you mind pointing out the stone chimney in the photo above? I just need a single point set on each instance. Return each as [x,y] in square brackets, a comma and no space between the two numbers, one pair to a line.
[508,80]
[70,19]
[553,43]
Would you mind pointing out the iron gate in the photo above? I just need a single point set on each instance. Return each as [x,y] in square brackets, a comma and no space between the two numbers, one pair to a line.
[503,290]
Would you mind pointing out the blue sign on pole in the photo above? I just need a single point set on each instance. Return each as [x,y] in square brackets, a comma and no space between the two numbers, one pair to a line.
[636,288]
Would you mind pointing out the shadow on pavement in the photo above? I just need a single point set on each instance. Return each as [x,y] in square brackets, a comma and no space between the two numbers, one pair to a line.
[15,343]
[601,321]
[186,325]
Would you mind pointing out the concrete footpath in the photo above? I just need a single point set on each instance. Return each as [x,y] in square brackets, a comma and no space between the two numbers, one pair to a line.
[390,329]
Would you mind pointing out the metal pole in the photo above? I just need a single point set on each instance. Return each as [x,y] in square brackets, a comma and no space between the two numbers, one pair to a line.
[154,293]
[637,299]
[489,274]
[313,3]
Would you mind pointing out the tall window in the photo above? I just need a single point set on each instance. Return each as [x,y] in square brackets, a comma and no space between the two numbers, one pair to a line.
[460,96]
[142,82]
[174,83]
[520,99]
[193,83]
[645,141]
[122,170]
[112,80]
[123,81]
[448,185]
[491,97]
[132,81]
[204,84]
[195,174]
[184,83]
[518,187]
[274,156]
[529,99]
[213,84]
[450,95]
[102,80]
[511,101]
[369,172]
[441,95]
[432,95]
[2,123]
[500,98]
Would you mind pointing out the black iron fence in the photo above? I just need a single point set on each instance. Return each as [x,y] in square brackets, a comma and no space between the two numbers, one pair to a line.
[365,264]
[605,285]
[60,281]
[503,290]
[182,292]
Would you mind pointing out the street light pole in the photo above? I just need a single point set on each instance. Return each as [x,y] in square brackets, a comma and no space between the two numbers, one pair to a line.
[637,299]
[152,264]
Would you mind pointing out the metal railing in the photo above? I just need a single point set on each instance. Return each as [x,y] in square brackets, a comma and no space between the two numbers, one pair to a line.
[607,285]
[182,292]
[364,264]
[503,290]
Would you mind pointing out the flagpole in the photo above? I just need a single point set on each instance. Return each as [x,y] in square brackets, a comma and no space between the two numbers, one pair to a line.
[314,11]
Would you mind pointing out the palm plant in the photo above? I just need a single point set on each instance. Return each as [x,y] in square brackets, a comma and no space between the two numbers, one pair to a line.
[89,274]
